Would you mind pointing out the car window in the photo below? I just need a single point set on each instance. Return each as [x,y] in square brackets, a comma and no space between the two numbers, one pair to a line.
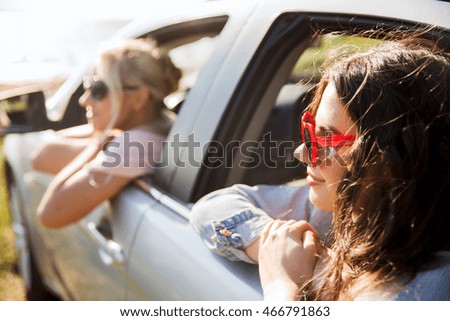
[191,57]
[309,64]
[271,159]
[189,45]
[274,91]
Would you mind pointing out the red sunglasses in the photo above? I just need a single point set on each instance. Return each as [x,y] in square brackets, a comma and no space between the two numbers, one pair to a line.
[315,144]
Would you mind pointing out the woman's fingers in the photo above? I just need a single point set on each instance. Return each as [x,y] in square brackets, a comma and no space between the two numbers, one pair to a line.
[265,232]
[272,227]
[310,243]
[303,226]
[291,227]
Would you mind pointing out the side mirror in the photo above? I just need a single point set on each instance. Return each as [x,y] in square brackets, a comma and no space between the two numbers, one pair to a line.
[23,112]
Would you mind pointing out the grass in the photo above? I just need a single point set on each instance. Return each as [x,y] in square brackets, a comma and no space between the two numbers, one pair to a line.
[310,63]
[11,285]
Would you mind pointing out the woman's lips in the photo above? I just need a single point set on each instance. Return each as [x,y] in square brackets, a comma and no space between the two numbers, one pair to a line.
[313,180]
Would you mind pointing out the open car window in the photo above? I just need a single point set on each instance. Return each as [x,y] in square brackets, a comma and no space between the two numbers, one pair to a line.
[270,160]
[310,63]
[189,45]
[264,118]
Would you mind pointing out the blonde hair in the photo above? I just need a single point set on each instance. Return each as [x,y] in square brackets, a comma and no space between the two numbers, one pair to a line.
[136,63]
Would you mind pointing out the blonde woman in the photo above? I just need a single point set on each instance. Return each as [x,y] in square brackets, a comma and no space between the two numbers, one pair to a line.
[122,140]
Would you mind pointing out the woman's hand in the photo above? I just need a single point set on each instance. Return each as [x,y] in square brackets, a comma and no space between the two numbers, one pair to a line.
[287,256]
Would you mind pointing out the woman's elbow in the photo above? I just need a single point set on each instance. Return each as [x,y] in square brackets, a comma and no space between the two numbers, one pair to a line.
[198,216]
[45,160]
[41,162]
[37,162]
[203,214]
[49,217]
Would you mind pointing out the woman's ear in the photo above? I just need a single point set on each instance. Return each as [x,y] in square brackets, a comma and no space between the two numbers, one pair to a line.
[139,98]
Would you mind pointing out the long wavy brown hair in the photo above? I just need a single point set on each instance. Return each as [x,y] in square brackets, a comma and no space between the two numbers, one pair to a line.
[392,212]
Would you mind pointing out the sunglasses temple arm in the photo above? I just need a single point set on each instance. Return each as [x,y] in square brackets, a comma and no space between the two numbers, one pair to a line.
[331,152]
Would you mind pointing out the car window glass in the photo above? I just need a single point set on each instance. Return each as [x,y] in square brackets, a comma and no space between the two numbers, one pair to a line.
[309,64]
[191,57]
[189,51]
[270,159]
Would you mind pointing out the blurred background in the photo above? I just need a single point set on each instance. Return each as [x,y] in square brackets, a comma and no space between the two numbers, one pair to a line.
[42,41]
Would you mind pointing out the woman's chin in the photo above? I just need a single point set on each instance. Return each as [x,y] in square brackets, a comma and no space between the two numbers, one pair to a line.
[319,196]
[98,127]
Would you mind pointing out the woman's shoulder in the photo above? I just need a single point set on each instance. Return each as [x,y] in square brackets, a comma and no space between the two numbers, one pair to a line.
[431,282]
[81,131]
[142,134]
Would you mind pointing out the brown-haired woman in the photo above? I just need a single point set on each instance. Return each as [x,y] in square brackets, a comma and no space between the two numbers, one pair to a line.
[377,146]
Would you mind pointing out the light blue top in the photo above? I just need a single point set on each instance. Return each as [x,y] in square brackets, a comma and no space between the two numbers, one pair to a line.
[230,219]
[432,283]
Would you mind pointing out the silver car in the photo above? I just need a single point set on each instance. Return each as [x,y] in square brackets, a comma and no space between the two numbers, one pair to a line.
[247,66]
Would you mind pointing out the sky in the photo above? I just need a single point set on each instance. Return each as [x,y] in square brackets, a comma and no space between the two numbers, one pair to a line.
[42,38]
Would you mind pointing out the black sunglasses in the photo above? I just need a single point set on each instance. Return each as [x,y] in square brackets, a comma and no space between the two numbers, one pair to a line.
[99,89]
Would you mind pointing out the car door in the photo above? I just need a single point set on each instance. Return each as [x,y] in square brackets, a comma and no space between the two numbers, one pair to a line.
[260,88]
[87,255]
[170,262]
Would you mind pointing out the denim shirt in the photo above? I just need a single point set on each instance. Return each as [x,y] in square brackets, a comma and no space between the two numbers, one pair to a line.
[231,219]
[432,282]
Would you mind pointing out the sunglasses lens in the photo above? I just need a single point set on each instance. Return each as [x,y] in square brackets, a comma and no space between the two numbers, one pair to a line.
[98,89]
[308,144]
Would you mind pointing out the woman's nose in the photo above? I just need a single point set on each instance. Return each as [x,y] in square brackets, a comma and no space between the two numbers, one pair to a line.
[301,153]
[82,101]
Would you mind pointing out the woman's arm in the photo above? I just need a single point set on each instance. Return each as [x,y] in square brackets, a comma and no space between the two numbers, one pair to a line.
[80,131]
[230,220]
[71,196]
[51,157]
